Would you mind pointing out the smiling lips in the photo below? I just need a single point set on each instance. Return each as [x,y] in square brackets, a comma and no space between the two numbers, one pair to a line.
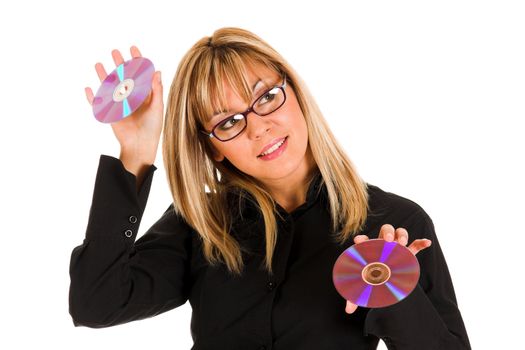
[272,147]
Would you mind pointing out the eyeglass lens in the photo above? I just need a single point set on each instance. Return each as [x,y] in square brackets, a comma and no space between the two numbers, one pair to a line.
[264,105]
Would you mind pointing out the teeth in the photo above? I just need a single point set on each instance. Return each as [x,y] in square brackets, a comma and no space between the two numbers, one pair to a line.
[273,148]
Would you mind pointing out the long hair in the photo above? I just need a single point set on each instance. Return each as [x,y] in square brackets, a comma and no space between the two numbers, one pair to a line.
[195,93]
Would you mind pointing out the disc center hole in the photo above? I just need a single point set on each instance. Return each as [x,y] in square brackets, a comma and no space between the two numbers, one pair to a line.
[376,273]
[123,90]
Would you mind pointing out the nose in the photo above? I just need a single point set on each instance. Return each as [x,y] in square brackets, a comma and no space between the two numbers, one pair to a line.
[257,126]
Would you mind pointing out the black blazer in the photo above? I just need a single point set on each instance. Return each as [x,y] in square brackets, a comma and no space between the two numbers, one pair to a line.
[115,279]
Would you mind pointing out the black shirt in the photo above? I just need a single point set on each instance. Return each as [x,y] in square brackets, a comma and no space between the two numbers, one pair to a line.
[115,279]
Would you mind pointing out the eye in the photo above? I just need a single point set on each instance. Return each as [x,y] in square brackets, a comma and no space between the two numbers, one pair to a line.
[230,122]
[269,96]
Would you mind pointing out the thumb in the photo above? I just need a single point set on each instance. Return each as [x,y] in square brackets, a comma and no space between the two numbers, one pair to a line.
[157,81]
[156,85]
[350,308]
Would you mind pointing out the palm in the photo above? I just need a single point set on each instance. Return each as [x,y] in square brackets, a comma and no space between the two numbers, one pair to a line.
[137,128]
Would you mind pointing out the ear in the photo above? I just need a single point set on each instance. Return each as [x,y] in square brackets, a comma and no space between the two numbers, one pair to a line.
[218,156]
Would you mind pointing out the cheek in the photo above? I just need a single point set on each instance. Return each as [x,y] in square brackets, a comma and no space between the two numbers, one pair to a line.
[235,151]
[296,118]
[297,124]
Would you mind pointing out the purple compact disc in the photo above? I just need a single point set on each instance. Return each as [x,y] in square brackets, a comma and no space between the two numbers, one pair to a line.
[123,90]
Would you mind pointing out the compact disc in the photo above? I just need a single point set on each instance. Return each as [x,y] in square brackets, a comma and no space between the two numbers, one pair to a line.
[376,273]
[123,90]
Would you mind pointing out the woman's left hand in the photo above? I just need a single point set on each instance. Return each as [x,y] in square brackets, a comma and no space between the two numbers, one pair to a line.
[399,235]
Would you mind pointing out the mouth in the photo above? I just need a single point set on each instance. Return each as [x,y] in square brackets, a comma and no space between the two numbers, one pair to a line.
[274,148]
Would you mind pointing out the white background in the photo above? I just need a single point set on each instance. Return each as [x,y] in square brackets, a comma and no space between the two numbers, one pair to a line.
[426,97]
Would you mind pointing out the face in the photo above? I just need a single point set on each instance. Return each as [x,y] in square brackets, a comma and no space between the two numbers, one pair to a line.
[290,161]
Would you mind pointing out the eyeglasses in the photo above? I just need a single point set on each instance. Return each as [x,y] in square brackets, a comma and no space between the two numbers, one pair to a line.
[270,101]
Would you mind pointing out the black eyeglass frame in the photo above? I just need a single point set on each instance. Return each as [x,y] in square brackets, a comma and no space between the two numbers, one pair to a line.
[246,112]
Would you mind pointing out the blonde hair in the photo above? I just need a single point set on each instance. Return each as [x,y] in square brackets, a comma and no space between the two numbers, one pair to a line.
[195,94]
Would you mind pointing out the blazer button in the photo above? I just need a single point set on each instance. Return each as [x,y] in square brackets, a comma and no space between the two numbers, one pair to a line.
[128,233]
[133,219]
[271,285]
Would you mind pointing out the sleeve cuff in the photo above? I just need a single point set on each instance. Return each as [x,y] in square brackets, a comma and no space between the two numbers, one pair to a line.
[117,206]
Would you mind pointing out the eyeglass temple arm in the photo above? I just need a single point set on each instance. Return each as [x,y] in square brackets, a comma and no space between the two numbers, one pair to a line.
[206,133]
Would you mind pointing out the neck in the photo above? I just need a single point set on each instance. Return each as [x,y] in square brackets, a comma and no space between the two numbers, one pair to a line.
[290,192]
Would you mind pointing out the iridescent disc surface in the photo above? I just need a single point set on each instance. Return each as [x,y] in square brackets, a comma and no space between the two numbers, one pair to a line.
[375,273]
[123,90]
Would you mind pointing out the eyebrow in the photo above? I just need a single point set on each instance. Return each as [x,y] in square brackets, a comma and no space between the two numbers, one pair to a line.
[215,113]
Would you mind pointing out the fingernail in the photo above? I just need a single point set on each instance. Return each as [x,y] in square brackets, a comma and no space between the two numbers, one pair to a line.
[389,237]
[159,76]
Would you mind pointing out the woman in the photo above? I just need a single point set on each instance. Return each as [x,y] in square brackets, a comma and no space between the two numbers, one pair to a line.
[254,253]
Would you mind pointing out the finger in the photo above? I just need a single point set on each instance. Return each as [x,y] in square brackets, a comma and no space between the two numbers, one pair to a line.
[360,239]
[117,57]
[402,236]
[135,51]
[350,308]
[89,95]
[101,72]
[419,244]
[387,232]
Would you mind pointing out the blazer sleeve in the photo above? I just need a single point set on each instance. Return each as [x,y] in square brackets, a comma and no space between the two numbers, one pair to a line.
[429,317]
[114,279]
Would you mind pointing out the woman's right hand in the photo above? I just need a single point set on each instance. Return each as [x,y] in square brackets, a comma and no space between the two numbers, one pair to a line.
[138,133]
